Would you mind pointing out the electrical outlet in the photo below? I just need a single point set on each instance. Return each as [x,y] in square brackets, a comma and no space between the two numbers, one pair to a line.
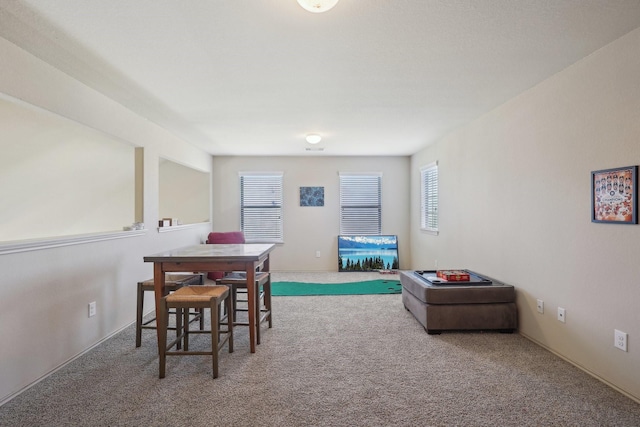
[561,315]
[317,254]
[436,264]
[540,306]
[92,309]
[620,340]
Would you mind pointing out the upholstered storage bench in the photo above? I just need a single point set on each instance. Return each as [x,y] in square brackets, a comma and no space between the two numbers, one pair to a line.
[458,306]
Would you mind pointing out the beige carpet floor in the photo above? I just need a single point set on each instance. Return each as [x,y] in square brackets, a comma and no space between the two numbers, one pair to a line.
[357,360]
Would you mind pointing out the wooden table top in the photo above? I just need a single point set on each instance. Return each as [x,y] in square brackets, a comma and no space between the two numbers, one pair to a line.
[217,252]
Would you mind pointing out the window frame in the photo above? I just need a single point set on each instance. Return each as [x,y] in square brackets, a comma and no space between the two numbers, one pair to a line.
[274,234]
[346,226]
[429,198]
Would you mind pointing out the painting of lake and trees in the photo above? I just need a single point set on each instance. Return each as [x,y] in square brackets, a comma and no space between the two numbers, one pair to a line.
[368,253]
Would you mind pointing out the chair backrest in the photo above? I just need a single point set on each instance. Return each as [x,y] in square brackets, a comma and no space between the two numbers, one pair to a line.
[220,238]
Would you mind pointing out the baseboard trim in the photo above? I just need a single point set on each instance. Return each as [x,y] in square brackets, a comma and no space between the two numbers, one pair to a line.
[582,368]
[11,396]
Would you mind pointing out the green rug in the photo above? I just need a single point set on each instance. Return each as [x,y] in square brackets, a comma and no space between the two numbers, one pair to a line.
[368,287]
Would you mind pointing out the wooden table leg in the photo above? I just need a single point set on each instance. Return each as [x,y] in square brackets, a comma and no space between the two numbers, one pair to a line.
[158,288]
[251,305]
[267,295]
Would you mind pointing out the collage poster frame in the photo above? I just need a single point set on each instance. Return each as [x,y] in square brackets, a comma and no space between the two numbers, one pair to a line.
[614,195]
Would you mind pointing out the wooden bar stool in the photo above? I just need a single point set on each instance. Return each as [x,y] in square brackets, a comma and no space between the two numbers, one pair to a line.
[199,297]
[173,281]
[238,280]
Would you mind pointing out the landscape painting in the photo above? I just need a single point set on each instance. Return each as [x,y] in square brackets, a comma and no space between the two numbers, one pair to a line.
[368,253]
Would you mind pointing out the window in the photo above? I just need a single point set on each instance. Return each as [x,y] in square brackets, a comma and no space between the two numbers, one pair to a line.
[360,206]
[429,197]
[261,207]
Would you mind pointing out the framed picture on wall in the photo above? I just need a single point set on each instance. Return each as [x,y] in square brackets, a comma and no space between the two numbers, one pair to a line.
[311,196]
[614,195]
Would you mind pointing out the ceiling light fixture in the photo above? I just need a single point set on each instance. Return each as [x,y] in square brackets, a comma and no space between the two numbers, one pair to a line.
[317,6]
[313,138]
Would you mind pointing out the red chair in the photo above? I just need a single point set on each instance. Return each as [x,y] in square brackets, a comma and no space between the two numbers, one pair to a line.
[238,280]
[221,238]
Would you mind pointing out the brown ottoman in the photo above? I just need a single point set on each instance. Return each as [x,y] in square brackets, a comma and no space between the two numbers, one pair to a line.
[488,305]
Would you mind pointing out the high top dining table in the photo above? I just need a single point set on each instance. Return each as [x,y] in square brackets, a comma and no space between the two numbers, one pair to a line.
[219,257]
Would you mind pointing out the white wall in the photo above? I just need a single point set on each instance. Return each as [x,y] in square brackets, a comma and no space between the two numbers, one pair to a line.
[44,293]
[184,193]
[311,229]
[515,205]
[42,154]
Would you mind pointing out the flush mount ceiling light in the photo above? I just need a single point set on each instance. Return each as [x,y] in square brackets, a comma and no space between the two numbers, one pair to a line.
[317,6]
[313,138]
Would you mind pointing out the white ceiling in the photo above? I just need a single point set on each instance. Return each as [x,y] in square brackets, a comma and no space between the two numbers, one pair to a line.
[373,77]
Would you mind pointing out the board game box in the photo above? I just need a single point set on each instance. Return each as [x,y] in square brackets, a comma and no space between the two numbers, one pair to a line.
[453,275]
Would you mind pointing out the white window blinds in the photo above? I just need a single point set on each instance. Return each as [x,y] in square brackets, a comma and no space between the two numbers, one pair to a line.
[261,207]
[429,197]
[360,205]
